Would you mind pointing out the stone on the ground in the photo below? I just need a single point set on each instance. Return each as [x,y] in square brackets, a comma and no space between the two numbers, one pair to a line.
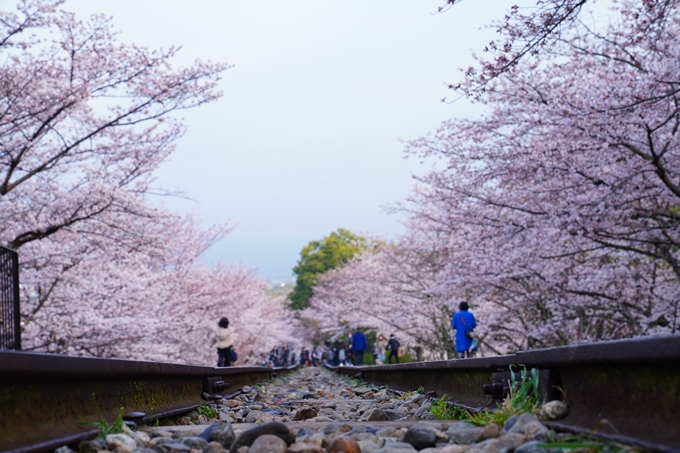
[504,444]
[141,439]
[91,446]
[509,423]
[319,439]
[221,432]
[424,435]
[420,438]
[214,447]
[320,419]
[490,431]
[463,433]
[305,448]
[313,395]
[275,428]
[122,442]
[171,447]
[451,448]
[391,415]
[196,443]
[144,450]
[554,410]
[377,415]
[268,443]
[368,446]
[522,420]
[344,444]
[257,415]
[64,449]
[302,432]
[305,413]
[160,440]
[224,417]
[396,447]
[425,407]
[537,431]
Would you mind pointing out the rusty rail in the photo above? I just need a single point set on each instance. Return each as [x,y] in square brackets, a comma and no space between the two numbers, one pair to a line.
[627,390]
[43,397]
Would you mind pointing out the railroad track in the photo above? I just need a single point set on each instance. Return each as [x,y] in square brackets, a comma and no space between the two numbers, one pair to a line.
[627,391]
[43,398]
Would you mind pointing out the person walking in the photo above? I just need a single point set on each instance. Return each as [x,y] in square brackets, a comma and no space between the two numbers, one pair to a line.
[315,356]
[381,346]
[464,323]
[284,355]
[349,356]
[393,348]
[359,345]
[225,343]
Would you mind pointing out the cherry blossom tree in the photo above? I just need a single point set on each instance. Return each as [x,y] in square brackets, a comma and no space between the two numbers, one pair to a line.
[525,31]
[84,123]
[379,288]
[556,213]
[560,205]
[155,302]
[84,120]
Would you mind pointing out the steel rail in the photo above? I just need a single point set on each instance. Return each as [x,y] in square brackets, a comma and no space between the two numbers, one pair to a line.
[626,390]
[43,397]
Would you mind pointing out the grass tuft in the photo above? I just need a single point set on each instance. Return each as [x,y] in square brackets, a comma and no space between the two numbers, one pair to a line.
[589,444]
[443,410]
[206,410]
[104,427]
[524,397]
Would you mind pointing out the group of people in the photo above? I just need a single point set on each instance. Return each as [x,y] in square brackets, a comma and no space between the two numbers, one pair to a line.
[283,356]
[352,353]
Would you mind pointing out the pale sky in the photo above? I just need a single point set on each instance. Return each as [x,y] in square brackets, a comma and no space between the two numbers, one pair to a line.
[306,138]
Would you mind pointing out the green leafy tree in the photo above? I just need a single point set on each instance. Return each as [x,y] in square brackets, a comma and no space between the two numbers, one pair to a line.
[319,256]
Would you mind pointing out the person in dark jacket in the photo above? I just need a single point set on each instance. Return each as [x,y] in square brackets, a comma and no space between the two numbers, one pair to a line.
[393,347]
[285,355]
[463,322]
[359,345]
[315,356]
[304,357]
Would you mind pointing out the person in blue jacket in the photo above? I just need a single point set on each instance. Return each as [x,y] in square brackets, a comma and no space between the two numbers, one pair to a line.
[463,322]
[359,345]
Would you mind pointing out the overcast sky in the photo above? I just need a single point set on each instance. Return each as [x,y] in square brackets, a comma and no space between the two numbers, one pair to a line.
[306,138]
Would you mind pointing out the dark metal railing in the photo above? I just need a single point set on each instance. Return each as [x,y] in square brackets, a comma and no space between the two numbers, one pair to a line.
[10,328]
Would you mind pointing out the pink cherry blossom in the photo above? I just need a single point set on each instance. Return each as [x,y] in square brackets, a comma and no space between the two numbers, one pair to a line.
[84,123]
[556,213]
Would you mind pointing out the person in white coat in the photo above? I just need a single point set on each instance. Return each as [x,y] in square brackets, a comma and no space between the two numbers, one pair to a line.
[225,343]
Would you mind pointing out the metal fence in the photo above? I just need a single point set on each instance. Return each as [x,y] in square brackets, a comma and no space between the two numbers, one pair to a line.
[10,329]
